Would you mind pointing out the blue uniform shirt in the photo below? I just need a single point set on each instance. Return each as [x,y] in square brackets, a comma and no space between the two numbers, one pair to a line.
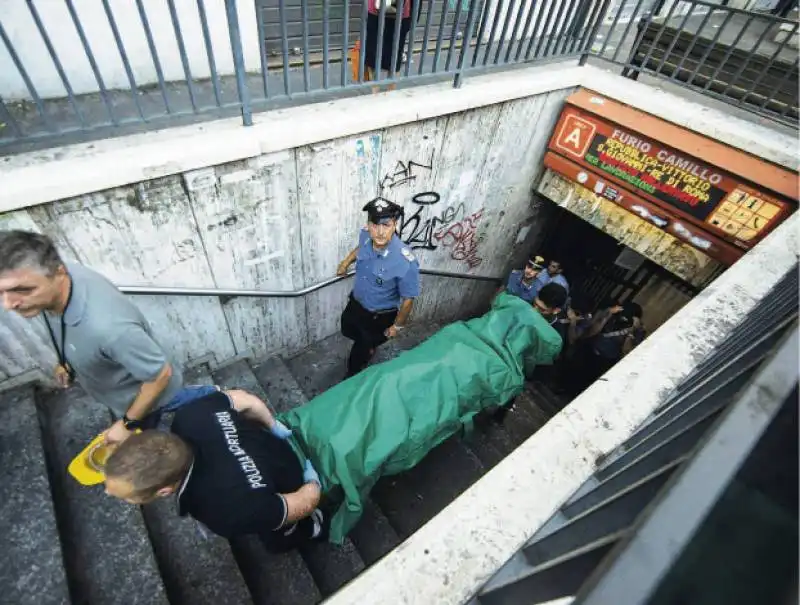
[544,278]
[384,278]
[518,288]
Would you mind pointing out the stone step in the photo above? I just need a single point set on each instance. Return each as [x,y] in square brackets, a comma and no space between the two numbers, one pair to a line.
[273,578]
[493,439]
[107,551]
[32,572]
[323,364]
[412,498]
[546,399]
[373,535]
[197,569]
[320,366]
[331,566]
[276,379]
[198,375]
[523,419]
[530,404]
[238,375]
[488,441]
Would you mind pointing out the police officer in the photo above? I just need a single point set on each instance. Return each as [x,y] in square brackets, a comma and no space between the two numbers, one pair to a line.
[386,283]
[225,470]
[522,282]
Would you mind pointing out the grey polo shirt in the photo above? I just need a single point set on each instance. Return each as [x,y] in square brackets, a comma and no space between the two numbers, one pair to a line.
[109,343]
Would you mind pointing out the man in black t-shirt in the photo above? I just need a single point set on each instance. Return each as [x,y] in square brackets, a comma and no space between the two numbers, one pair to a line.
[614,332]
[227,471]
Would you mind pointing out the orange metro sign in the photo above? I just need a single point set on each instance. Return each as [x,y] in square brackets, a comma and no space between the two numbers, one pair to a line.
[720,200]
[575,136]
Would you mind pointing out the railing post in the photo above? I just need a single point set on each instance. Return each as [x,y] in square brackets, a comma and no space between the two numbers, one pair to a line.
[238,61]
[587,50]
[472,15]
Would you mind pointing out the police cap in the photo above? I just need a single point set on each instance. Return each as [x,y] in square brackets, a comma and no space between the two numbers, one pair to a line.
[536,262]
[381,211]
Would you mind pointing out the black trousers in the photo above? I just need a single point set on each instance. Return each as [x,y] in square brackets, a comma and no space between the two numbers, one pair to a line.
[371,44]
[366,329]
[288,538]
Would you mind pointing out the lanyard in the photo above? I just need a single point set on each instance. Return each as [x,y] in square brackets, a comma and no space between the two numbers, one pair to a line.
[61,352]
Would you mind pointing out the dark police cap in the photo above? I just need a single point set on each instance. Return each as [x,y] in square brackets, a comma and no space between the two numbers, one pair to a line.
[380,210]
[536,262]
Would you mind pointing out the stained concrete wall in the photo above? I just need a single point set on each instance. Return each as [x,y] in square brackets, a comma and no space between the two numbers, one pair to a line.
[284,220]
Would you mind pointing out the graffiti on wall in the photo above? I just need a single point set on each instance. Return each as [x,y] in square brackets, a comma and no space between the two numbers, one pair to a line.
[430,223]
[462,239]
[418,229]
[403,173]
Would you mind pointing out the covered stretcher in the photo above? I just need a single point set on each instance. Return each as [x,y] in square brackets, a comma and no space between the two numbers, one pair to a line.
[387,418]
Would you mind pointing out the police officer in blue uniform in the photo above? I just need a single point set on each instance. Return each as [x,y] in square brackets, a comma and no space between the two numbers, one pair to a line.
[522,282]
[386,283]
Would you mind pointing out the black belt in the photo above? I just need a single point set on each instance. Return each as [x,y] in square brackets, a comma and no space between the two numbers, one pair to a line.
[378,312]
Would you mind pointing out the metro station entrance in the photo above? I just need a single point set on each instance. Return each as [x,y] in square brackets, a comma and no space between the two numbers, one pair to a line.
[648,214]
[603,271]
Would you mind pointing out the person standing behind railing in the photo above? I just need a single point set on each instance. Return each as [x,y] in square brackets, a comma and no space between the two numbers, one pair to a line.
[101,339]
[370,46]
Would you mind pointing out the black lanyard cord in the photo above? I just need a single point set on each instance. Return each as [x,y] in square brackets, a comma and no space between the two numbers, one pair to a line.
[60,352]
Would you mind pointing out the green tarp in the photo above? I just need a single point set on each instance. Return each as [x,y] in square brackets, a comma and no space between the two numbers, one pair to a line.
[387,418]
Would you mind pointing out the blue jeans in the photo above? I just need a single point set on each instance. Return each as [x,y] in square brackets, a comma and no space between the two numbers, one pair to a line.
[185,396]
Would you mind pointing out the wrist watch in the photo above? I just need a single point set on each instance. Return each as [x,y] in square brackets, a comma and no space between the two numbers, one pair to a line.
[398,328]
[130,423]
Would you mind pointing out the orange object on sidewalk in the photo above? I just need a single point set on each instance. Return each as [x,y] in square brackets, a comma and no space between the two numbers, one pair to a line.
[355,60]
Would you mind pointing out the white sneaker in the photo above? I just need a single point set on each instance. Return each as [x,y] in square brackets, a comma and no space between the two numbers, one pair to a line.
[318,519]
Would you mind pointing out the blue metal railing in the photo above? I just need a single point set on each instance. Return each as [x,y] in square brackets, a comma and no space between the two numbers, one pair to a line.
[744,58]
[57,91]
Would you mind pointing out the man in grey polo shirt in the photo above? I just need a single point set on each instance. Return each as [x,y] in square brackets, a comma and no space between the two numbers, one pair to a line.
[101,339]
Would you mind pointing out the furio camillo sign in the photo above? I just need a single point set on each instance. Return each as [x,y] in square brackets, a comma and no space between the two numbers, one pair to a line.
[720,212]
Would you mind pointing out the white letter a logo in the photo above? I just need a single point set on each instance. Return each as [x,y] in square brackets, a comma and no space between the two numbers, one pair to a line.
[574,138]
[575,135]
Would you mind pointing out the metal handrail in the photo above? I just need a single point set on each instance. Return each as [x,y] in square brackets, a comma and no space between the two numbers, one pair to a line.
[233,292]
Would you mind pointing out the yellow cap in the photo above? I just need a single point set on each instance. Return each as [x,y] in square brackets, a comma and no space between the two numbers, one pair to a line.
[87,467]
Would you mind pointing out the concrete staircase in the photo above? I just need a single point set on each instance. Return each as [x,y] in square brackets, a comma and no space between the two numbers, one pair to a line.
[70,544]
